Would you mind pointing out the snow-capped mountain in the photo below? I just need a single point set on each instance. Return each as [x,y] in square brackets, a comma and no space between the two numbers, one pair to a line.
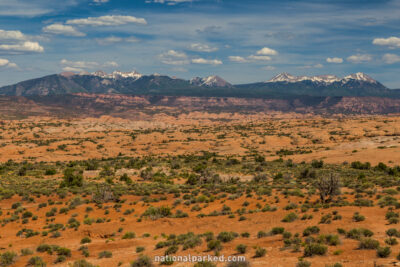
[134,83]
[359,76]
[117,74]
[327,79]
[210,81]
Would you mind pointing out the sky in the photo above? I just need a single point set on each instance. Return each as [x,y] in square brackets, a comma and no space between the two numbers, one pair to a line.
[241,41]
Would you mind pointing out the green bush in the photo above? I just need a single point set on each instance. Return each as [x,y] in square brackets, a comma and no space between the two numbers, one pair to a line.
[260,252]
[227,236]
[82,263]
[291,217]
[383,252]
[368,243]
[86,240]
[128,235]
[142,261]
[36,262]
[105,254]
[8,258]
[241,248]
[311,230]
[214,245]
[72,178]
[303,263]
[315,249]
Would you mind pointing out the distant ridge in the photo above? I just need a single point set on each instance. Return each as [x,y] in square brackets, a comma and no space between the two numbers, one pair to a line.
[135,83]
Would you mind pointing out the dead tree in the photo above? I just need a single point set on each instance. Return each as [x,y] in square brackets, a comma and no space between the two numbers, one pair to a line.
[328,187]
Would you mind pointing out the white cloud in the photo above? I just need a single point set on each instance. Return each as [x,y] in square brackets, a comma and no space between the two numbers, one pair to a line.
[392,42]
[7,64]
[115,39]
[168,2]
[62,29]
[173,57]
[100,1]
[72,69]
[237,59]
[269,68]
[391,58]
[110,64]
[202,48]
[26,46]
[206,61]
[78,66]
[336,60]
[359,58]
[110,20]
[12,35]
[15,42]
[315,66]
[261,58]
[265,51]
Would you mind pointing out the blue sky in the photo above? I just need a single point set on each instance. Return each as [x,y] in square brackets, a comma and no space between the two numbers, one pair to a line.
[241,41]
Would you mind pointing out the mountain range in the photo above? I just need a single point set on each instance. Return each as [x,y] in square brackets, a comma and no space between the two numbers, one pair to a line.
[134,83]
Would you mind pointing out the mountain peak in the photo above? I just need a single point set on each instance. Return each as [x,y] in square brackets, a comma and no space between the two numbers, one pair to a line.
[327,79]
[210,81]
[360,76]
[117,74]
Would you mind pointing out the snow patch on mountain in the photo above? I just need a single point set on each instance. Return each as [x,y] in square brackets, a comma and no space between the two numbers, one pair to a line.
[210,81]
[118,74]
[326,79]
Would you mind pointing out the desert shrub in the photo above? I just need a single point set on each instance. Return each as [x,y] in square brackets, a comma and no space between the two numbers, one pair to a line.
[331,240]
[317,164]
[261,234]
[44,248]
[105,254]
[227,236]
[357,217]
[260,252]
[26,251]
[72,178]
[368,243]
[303,263]
[383,252]
[315,249]
[277,230]
[360,166]
[357,233]
[128,235]
[291,217]
[241,248]
[8,258]
[142,261]
[392,232]
[50,171]
[328,186]
[139,249]
[60,259]
[326,219]
[214,245]
[82,263]
[157,212]
[36,261]
[391,241]
[311,230]
[86,240]
[171,250]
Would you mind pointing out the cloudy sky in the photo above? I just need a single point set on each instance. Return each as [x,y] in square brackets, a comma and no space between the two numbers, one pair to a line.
[242,41]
